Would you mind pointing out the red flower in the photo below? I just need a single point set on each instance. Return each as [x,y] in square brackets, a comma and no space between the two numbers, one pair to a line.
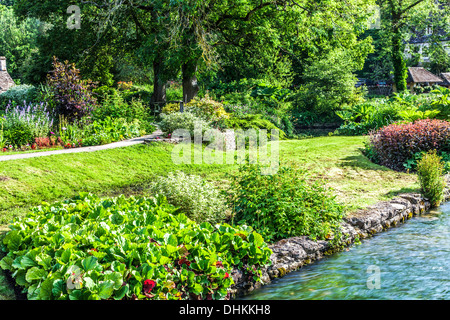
[219,264]
[226,275]
[148,286]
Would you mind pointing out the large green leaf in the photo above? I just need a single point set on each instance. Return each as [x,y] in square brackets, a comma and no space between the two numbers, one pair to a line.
[35,273]
[6,263]
[58,287]
[105,289]
[46,289]
[120,294]
[90,263]
[116,278]
[13,240]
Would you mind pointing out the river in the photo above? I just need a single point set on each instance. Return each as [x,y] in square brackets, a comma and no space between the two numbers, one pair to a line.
[410,261]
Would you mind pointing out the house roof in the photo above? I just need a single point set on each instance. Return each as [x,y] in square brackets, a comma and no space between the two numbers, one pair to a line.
[420,75]
[446,77]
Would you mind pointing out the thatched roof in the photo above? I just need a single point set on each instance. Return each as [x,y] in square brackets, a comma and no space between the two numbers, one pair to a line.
[446,77]
[6,81]
[420,75]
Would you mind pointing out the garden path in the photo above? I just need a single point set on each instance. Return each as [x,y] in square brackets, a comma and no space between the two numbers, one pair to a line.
[119,144]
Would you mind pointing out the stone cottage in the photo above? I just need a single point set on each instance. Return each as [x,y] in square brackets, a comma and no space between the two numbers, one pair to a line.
[6,81]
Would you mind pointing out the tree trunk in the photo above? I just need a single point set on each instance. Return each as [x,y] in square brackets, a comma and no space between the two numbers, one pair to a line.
[400,71]
[190,84]
[159,85]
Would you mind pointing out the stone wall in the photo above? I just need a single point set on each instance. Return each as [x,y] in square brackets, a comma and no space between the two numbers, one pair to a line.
[293,253]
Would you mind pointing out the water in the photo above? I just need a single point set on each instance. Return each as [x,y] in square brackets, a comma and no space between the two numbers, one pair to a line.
[408,262]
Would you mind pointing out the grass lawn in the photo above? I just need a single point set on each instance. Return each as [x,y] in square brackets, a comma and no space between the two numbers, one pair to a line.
[337,160]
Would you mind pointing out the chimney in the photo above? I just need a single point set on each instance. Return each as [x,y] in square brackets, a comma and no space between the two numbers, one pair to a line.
[2,64]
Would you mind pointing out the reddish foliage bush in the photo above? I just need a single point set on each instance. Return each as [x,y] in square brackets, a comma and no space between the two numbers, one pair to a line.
[73,95]
[396,143]
[46,142]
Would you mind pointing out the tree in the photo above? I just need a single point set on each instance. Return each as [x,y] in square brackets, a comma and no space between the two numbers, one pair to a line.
[18,40]
[396,14]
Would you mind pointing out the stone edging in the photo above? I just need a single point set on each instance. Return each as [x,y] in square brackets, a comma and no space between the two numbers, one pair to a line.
[293,253]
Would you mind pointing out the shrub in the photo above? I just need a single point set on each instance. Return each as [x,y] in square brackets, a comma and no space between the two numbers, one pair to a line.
[47,142]
[396,143]
[284,205]
[197,198]
[126,249]
[114,106]
[252,121]
[171,108]
[73,95]
[430,172]
[207,109]
[182,120]
[17,95]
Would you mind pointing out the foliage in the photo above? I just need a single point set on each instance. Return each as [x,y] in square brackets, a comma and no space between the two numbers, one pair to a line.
[397,143]
[171,108]
[430,172]
[374,114]
[441,102]
[208,109]
[193,196]
[17,95]
[114,106]
[3,140]
[182,120]
[330,84]
[98,132]
[252,121]
[87,248]
[285,204]
[18,41]
[22,124]
[72,94]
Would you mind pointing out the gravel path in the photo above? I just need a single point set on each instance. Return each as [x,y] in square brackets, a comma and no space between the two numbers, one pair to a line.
[119,144]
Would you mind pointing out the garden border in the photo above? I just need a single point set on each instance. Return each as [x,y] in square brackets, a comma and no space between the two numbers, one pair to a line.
[113,145]
[293,253]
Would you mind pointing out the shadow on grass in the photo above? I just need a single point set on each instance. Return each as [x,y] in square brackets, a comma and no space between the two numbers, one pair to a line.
[361,161]
[402,190]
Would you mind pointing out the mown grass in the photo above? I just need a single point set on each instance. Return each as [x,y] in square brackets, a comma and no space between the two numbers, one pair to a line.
[338,160]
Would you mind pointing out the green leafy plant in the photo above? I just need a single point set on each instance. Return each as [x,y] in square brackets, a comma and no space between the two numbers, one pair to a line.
[285,204]
[207,109]
[430,172]
[196,198]
[413,113]
[252,121]
[89,248]
[182,120]
[17,95]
